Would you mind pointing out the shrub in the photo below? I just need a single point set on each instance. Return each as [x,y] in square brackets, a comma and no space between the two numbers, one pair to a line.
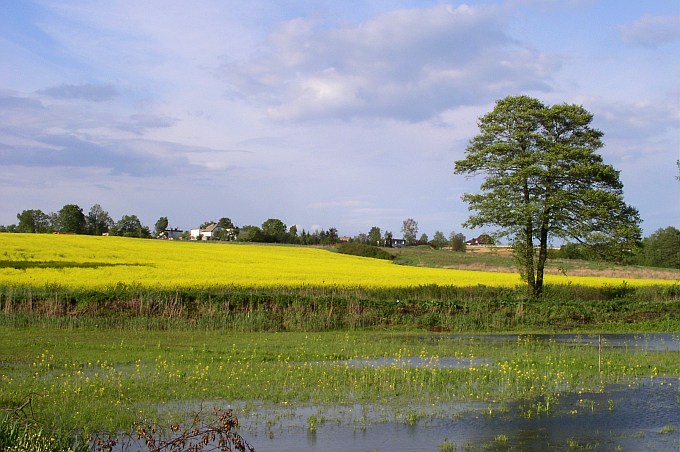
[359,249]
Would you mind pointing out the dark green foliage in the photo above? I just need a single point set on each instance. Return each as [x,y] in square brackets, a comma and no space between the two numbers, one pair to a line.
[661,249]
[457,241]
[71,219]
[130,226]
[98,221]
[439,240]
[33,221]
[360,249]
[160,226]
[275,231]
[374,236]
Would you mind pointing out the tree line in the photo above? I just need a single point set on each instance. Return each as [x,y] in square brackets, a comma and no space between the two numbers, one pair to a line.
[71,219]
[409,229]
[660,249]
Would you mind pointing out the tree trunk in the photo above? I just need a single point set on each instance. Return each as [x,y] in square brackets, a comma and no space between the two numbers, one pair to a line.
[542,257]
[529,246]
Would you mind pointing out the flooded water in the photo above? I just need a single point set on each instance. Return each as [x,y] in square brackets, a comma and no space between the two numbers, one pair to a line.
[411,361]
[643,417]
[633,342]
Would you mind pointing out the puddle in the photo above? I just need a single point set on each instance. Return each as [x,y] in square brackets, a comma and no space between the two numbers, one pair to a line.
[642,417]
[634,342]
[426,362]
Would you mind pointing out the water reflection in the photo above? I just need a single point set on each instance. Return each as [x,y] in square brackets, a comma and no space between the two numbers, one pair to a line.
[634,342]
[643,417]
[424,362]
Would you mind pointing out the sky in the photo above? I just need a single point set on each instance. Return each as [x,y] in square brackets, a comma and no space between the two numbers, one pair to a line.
[346,114]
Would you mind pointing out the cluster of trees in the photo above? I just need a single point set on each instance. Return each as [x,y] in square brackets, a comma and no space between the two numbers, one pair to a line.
[375,237]
[274,230]
[71,219]
[660,249]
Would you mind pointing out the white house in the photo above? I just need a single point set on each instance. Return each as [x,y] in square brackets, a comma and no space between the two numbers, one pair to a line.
[205,233]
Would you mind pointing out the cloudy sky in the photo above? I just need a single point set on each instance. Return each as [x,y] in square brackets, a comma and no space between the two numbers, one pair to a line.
[323,113]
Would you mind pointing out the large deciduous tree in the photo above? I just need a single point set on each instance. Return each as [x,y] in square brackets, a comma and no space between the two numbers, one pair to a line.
[130,226]
[374,236]
[160,226]
[33,220]
[439,239]
[71,219]
[544,180]
[457,241]
[98,220]
[274,230]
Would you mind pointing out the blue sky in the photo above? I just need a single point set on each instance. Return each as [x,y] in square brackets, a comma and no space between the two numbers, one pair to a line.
[345,114]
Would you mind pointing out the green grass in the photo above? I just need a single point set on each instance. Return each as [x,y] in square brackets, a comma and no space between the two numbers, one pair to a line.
[18,433]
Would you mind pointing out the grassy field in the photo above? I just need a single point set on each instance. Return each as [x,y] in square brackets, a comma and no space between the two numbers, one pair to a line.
[492,259]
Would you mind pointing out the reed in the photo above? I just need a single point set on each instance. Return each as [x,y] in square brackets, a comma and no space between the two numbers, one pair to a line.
[438,308]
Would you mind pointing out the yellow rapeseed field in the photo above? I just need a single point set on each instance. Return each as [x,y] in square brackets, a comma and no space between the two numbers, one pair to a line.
[99,262]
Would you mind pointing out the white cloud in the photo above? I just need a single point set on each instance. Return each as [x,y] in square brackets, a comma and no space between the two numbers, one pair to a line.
[651,30]
[406,64]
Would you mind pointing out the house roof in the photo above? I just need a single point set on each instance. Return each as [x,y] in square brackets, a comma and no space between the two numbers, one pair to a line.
[210,228]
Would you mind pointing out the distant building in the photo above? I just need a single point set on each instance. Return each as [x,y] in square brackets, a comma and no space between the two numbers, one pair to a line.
[484,239]
[395,243]
[205,233]
[171,234]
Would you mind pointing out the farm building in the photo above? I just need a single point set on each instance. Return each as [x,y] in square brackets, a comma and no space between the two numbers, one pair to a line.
[484,239]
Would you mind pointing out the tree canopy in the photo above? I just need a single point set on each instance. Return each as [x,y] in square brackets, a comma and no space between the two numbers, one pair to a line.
[410,230]
[33,220]
[662,248]
[543,179]
[98,220]
[71,219]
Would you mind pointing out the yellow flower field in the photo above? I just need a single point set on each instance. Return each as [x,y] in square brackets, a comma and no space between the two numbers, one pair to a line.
[97,262]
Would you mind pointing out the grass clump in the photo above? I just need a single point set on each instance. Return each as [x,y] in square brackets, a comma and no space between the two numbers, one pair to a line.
[19,433]
[360,249]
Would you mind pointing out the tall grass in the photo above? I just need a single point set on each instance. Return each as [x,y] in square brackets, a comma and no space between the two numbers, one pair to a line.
[19,433]
[449,308]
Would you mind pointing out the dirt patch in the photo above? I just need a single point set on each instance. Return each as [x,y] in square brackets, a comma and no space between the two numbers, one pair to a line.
[632,273]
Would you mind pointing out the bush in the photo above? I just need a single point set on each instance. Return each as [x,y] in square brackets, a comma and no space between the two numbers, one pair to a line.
[661,249]
[359,249]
